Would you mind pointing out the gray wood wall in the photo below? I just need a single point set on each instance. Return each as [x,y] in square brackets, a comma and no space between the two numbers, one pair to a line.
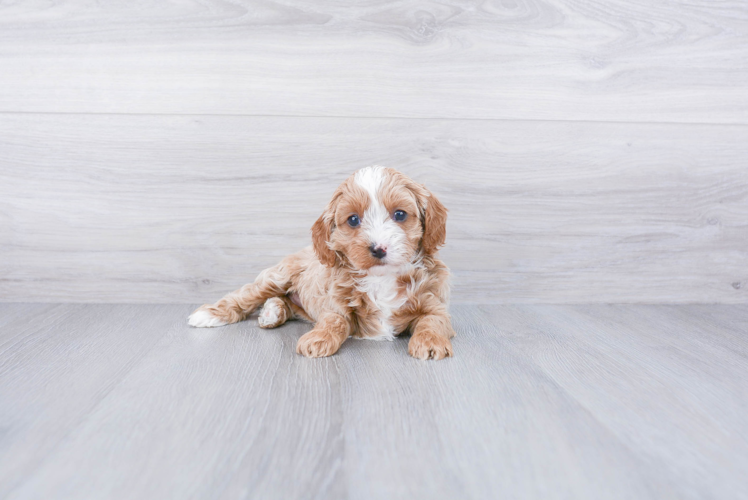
[167,152]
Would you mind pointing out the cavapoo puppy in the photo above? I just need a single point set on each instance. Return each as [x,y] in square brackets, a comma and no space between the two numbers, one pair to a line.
[372,272]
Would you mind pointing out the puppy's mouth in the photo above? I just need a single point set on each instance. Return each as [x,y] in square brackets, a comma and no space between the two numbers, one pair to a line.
[383,267]
[370,266]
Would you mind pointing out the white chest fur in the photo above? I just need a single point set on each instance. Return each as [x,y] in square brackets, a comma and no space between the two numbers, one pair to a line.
[384,292]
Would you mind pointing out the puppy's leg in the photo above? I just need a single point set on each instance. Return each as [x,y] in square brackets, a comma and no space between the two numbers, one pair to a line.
[274,313]
[430,339]
[326,338]
[236,306]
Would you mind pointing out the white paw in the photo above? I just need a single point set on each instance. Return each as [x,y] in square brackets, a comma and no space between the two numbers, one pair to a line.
[203,319]
[270,314]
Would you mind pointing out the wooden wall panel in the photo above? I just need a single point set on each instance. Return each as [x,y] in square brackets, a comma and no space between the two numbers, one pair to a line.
[117,208]
[617,60]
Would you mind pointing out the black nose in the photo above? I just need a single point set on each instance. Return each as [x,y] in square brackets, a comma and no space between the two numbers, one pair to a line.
[378,251]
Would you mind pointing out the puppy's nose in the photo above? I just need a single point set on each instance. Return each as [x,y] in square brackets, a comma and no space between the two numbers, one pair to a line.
[378,251]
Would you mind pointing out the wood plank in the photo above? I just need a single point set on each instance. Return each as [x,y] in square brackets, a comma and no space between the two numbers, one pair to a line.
[587,401]
[12,312]
[208,413]
[177,209]
[56,365]
[668,388]
[728,322]
[486,424]
[626,60]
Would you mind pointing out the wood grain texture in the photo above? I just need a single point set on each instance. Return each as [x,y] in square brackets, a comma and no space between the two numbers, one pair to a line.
[633,351]
[541,401]
[57,363]
[622,60]
[185,208]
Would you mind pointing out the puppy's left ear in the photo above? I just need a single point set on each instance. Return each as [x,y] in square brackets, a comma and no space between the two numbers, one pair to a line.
[434,223]
[322,231]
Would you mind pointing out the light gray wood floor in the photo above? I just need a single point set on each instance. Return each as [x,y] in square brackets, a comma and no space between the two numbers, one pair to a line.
[541,401]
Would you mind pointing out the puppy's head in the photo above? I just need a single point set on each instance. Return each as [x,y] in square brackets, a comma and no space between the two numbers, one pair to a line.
[377,219]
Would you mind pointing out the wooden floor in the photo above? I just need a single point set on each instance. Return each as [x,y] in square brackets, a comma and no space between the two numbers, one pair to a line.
[541,401]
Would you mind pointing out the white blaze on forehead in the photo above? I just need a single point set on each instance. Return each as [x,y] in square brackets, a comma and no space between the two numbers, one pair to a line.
[370,178]
[376,221]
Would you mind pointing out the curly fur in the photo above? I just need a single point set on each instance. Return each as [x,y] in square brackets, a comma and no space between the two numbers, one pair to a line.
[341,285]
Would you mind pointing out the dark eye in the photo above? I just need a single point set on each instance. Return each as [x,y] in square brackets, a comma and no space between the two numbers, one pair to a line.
[354,221]
[399,215]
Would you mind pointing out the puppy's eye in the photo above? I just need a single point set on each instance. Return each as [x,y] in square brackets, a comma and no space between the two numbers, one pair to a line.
[399,215]
[354,221]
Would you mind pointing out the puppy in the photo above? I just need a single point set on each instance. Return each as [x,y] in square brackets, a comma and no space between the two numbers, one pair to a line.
[372,272]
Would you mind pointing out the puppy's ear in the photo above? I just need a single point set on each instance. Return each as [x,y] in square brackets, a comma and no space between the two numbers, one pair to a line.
[434,223]
[322,231]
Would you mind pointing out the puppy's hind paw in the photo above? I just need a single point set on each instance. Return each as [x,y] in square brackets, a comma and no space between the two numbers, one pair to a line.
[274,313]
[204,319]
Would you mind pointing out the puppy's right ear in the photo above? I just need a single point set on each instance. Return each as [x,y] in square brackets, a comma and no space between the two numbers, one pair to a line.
[322,231]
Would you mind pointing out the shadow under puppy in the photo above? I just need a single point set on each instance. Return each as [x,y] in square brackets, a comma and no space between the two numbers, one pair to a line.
[372,272]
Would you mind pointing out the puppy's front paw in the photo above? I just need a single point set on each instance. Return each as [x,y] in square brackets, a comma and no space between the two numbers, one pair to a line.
[317,344]
[427,345]
[203,318]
